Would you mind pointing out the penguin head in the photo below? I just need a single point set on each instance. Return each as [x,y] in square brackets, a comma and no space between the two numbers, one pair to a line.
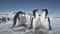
[23,13]
[44,10]
[20,12]
[34,12]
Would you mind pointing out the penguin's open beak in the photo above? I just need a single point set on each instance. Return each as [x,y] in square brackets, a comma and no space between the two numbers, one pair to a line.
[36,10]
[42,9]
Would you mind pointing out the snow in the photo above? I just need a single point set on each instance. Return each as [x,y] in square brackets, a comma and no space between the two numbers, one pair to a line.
[5,28]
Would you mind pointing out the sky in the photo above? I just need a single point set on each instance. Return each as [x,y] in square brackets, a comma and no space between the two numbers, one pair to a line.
[28,6]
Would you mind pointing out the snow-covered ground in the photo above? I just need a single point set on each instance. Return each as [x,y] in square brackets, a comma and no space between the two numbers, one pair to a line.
[5,28]
[55,23]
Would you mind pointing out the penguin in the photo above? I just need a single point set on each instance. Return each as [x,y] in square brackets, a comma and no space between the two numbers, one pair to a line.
[15,18]
[35,19]
[45,20]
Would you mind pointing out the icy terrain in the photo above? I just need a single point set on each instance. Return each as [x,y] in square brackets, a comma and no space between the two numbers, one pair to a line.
[5,28]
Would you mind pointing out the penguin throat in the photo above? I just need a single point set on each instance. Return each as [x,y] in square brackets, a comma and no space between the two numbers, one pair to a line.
[35,15]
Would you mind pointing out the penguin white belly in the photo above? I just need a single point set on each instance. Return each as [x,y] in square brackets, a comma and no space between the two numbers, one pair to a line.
[34,24]
[23,20]
[20,20]
[46,24]
[44,21]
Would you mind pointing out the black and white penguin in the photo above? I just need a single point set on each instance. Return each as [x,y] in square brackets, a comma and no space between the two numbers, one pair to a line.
[16,17]
[35,19]
[45,20]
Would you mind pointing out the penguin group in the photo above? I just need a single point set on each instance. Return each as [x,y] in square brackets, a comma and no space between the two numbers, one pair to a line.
[32,21]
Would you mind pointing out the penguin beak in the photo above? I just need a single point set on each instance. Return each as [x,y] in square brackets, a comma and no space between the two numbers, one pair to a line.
[36,10]
[42,10]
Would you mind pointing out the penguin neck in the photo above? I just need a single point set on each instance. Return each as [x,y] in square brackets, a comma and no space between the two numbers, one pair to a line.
[23,15]
[43,14]
[36,14]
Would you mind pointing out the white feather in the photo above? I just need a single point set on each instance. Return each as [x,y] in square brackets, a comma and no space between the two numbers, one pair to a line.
[44,21]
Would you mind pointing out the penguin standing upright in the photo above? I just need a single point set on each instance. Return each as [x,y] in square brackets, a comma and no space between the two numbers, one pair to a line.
[45,20]
[15,18]
[35,19]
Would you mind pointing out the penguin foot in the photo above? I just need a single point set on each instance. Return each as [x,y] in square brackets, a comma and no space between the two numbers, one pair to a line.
[50,28]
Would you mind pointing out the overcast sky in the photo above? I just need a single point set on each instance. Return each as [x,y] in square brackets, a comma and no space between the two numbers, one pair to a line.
[28,5]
